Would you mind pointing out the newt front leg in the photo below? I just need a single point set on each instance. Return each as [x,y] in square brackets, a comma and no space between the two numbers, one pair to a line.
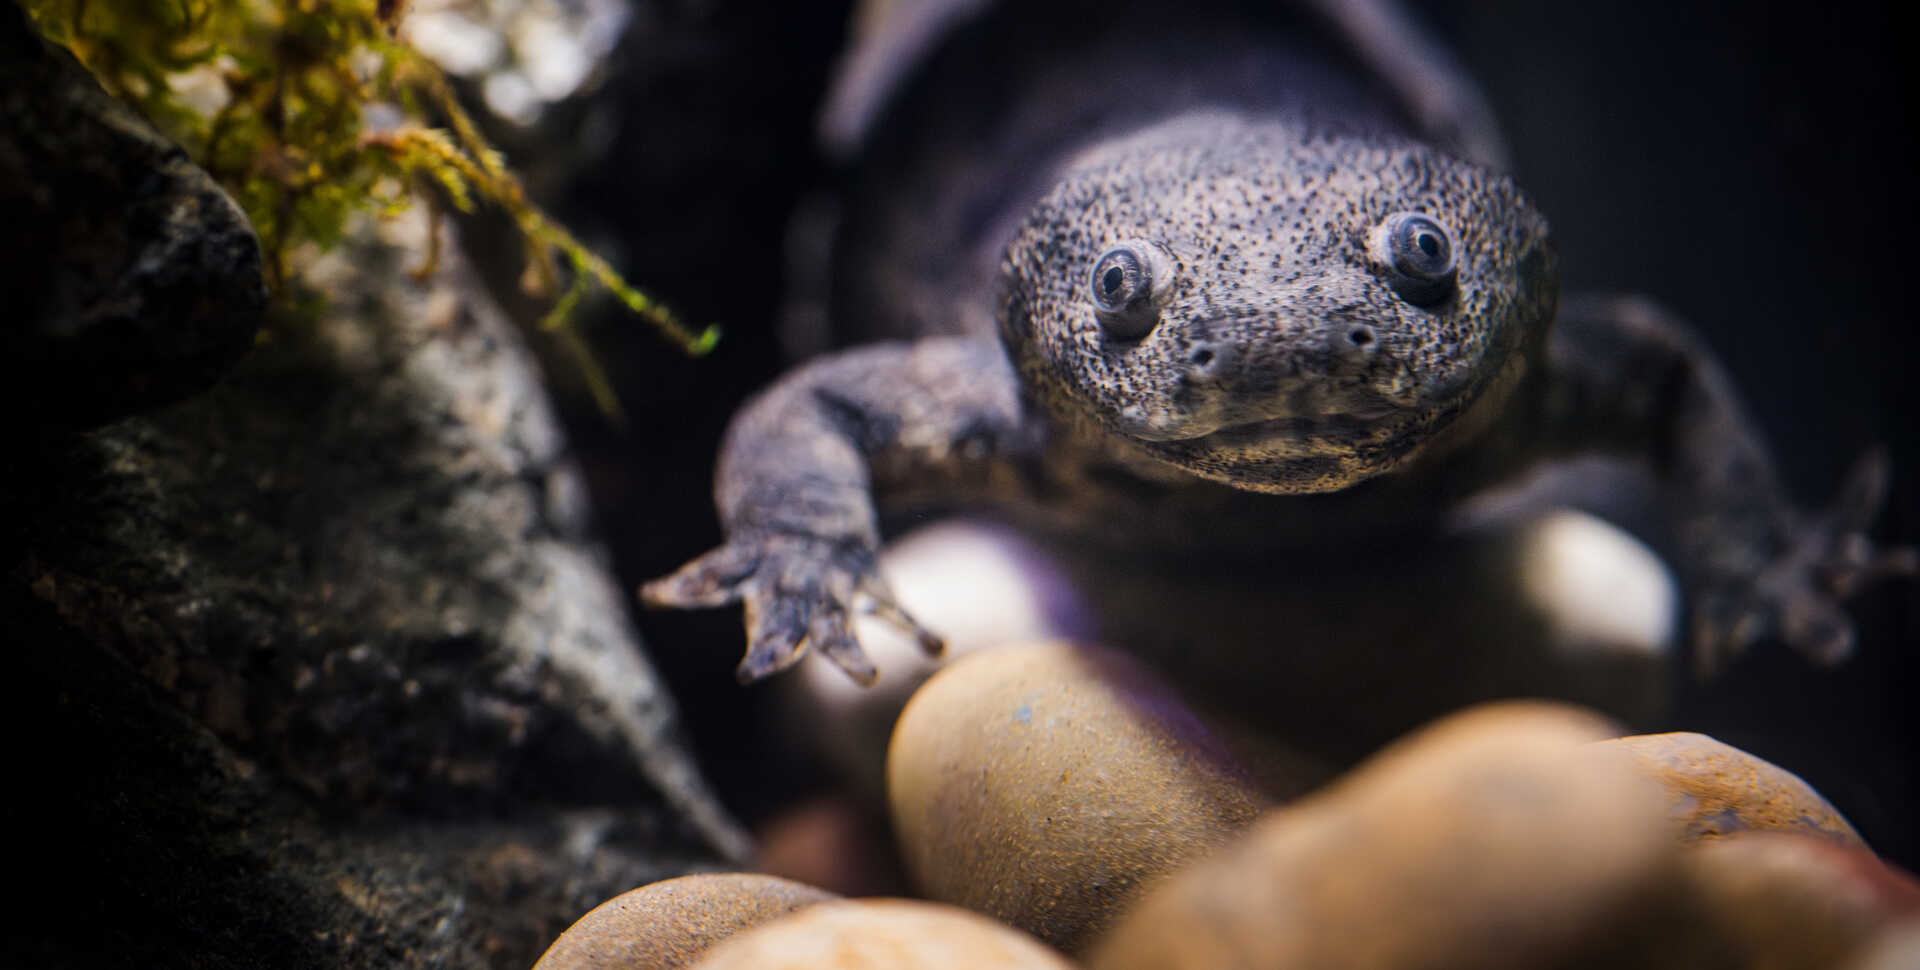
[797,480]
[1625,375]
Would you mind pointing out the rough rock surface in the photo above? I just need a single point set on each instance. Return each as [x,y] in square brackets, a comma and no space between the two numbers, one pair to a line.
[323,666]
[130,279]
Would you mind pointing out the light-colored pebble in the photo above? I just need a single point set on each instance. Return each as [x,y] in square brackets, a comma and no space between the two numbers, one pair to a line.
[1600,589]
[1716,789]
[882,934]
[1046,785]
[666,925]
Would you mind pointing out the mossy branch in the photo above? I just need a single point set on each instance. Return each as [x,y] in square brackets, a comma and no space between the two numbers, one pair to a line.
[271,97]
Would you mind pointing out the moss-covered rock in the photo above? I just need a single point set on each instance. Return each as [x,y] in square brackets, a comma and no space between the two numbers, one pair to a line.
[130,279]
[324,667]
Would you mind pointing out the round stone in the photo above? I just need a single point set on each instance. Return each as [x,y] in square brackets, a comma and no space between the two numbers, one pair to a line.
[1048,784]
[666,925]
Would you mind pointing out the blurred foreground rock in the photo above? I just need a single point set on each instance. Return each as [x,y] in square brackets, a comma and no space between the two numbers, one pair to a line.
[1478,842]
[1790,901]
[129,279]
[872,933]
[667,925]
[323,668]
[1505,837]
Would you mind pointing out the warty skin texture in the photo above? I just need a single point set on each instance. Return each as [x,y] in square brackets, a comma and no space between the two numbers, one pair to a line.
[1282,360]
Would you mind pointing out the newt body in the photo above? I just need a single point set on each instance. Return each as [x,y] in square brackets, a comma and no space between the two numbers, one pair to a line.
[1237,302]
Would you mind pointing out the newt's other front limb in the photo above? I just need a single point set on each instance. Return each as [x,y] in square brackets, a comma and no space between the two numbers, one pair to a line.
[797,477]
[1628,374]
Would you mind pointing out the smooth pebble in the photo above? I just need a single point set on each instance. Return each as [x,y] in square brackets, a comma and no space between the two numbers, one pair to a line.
[1048,784]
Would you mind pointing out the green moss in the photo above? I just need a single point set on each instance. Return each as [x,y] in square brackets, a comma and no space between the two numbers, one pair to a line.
[274,97]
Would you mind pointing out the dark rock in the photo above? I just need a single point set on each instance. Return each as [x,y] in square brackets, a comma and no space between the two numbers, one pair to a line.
[130,279]
[683,169]
[333,660]
[149,842]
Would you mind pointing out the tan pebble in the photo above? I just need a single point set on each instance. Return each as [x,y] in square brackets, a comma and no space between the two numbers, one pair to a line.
[667,925]
[1488,840]
[1716,789]
[882,934]
[1047,784]
[1787,901]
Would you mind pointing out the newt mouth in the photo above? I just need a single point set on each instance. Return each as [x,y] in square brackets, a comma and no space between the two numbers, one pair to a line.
[1346,424]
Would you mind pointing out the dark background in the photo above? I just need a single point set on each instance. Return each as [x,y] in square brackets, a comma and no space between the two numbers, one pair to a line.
[1750,165]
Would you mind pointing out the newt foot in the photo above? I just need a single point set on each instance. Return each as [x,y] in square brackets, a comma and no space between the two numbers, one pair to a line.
[1797,597]
[799,592]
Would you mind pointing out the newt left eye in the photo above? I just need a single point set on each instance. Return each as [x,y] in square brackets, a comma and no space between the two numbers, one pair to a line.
[1125,283]
[1418,256]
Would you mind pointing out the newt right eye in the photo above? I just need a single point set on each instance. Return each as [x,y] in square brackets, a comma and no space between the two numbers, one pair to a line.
[1418,257]
[1123,291]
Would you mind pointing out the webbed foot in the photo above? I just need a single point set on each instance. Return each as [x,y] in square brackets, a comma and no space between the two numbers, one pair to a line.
[799,592]
[1798,596]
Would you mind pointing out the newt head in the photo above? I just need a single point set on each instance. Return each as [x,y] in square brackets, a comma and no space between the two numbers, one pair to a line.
[1278,311]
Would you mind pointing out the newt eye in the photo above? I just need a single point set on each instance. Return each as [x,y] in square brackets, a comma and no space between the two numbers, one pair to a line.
[1418,257]
[1123,291]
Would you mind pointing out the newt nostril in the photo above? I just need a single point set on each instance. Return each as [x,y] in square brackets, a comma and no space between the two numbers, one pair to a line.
[1360,336]
[1209,361]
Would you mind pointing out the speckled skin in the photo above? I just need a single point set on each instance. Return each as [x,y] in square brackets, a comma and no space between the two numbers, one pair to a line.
[1282,361]
[1286,405]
